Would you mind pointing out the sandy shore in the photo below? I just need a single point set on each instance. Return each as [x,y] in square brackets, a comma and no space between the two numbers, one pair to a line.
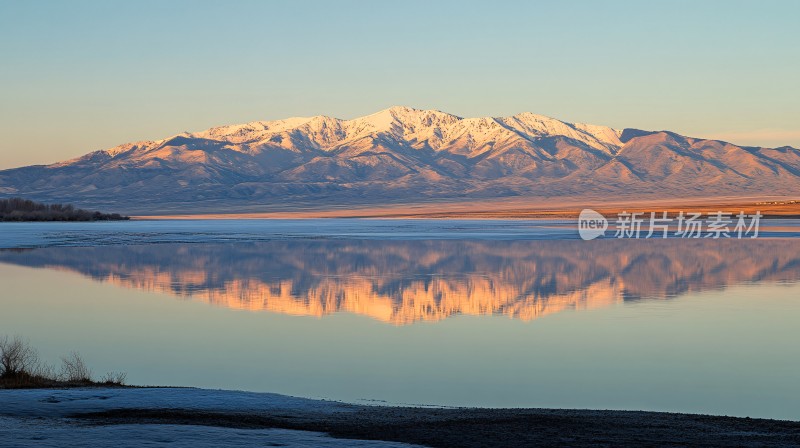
[520,209]
[45,417]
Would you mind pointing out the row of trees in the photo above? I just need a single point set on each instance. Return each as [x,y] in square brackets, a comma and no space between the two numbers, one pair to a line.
[18,209]
[21,367]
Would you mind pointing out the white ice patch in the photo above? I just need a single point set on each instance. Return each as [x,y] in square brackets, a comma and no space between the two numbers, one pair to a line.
[39,418]
[47,234]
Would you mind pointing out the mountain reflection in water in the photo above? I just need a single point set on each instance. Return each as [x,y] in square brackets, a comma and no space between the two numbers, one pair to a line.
[402,282]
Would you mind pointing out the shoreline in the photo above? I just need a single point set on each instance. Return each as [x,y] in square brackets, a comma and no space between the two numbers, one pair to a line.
[783,208]
[161,410]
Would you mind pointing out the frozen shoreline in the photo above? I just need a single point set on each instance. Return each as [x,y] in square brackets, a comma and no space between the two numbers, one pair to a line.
[76,234]
[29,235]
[46,418]
[179,417]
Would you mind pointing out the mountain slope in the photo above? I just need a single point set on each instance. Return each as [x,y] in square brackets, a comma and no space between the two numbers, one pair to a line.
[402,155]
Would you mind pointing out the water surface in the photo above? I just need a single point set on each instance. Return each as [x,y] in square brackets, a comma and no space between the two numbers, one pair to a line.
[446,313]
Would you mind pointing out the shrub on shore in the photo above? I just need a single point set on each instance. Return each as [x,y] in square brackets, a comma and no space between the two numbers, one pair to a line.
[21,368]
[18,209]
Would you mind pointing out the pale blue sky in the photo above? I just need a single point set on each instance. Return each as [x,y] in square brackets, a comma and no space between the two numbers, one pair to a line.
[79,76]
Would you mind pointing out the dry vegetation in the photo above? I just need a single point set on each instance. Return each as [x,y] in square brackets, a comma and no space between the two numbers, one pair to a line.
[519,209]
[17,209]
[21,368]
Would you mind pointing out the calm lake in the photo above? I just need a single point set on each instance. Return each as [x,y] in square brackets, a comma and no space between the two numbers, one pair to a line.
[451,312]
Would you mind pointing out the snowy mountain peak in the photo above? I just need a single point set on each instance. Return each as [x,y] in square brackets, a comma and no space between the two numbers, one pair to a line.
[404,154]
[432,128]
[406,117]
[599,137]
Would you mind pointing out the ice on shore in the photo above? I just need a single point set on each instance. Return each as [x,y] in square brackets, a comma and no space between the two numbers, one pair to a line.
[15,235]
[40,418]
[47,234]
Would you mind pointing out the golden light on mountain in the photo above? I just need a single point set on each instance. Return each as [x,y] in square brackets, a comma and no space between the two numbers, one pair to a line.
[402,282]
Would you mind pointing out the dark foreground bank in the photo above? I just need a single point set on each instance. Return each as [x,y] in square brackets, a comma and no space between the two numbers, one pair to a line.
[491,427]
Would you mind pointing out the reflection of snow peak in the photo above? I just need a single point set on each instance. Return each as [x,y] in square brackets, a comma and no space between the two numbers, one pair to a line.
[401,282]
[429,300]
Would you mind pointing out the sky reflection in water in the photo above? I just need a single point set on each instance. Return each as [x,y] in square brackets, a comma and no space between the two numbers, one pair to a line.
[695,326]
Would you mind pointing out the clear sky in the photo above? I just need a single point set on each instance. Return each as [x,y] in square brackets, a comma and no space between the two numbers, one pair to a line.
[78,76]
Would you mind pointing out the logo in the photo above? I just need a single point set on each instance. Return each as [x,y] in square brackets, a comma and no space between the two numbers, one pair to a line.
[591,224]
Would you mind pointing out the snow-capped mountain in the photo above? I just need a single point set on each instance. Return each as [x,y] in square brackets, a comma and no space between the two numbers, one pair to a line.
[402,155]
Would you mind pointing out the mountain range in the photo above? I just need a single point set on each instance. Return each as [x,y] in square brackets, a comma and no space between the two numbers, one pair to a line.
[403,155]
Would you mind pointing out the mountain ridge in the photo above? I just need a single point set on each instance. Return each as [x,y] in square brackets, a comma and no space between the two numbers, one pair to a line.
[402,154]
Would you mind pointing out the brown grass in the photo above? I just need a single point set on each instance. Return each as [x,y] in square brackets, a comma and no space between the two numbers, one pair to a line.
[523,209]
[21,368]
